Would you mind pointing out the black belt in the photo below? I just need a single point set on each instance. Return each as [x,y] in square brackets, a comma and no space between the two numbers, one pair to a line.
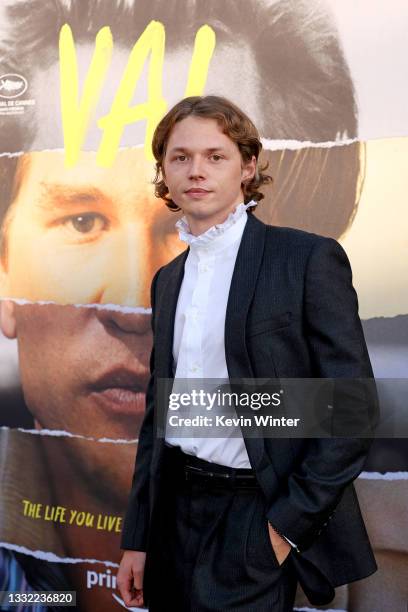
[236,481]
[196,470]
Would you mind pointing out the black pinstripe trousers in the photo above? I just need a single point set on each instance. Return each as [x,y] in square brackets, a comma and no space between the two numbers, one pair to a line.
[209,549]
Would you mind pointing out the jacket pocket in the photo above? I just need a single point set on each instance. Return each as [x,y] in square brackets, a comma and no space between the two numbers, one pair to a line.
[270,324]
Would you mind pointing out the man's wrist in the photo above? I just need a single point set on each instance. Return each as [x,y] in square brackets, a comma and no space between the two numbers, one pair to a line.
[281,535]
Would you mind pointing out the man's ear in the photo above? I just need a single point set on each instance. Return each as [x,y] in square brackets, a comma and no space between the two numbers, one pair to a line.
[249,169]
[7,319]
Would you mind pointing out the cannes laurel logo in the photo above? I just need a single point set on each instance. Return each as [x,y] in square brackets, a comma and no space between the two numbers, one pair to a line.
[12,85]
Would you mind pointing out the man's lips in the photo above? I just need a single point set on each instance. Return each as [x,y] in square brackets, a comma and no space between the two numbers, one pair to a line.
[121,390]
[197,190]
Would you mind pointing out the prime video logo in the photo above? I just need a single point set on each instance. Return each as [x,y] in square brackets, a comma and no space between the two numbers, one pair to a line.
[102,579]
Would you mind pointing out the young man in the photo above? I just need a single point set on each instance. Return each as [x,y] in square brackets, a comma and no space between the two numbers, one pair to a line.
[233,524]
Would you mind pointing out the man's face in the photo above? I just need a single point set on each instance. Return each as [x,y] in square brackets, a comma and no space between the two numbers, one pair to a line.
[204,171]
[86,234]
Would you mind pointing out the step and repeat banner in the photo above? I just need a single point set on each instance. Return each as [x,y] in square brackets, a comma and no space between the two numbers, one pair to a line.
[83,83]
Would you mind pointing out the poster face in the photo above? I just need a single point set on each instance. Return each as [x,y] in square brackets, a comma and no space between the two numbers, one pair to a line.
[88,234]
[83,83]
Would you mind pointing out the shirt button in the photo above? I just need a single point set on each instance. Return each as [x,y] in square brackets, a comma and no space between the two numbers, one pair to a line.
[203,268]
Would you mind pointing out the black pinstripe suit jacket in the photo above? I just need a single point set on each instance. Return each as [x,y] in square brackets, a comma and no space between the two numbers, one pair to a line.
[292,312]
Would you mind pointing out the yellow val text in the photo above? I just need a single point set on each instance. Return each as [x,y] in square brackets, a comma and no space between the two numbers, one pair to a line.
[76,114]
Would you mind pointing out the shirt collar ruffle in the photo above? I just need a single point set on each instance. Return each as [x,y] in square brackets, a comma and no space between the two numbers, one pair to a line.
[213,234]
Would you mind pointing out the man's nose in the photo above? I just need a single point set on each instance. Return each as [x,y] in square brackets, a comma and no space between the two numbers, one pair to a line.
[197,167]
[125,321]
[128,272]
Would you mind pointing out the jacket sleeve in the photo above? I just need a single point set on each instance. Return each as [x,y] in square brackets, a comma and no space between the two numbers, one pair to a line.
[136,522]
[338,350]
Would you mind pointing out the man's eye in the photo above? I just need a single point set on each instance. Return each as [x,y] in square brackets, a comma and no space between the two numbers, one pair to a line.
[86,223]
[181,157]
[216,157]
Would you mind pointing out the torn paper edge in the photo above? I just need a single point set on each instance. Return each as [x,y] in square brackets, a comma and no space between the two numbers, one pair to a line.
[293,145]
[62,150]
[269,144]
[48,556]
[117,307]
[319,609]
[67,434]
[385,476]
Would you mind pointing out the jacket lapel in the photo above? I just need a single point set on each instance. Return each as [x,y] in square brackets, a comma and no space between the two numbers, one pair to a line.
[243,282]
[165,314]
[165,317]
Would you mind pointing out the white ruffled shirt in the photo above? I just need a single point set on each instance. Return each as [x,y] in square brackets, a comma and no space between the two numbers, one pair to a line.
[198,345]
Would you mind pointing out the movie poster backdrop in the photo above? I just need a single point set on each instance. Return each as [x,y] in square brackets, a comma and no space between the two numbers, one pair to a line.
[83,83]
